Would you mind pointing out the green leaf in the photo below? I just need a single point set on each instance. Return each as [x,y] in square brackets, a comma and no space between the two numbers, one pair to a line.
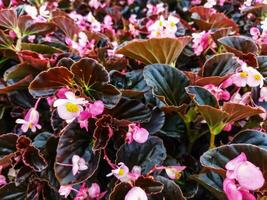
[145,155]
[166,82]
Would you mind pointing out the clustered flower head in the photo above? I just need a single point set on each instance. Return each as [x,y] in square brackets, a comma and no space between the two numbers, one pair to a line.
[247,76]
[201,42]
[242,177]
[71,107]
[163,27]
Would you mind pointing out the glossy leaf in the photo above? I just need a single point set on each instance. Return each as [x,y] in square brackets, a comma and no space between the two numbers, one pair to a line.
[220,65]
[7,146]
[47,82]
[167,51]
[130,109]
[206,19]
[11,192]
[212,182]
[262,60]
[5,41]
[166,82]
[41,139]
[251,137]
[239,45]
[88,72]
[40,48]
[67,25]
[239,111]
[75,141]
[216,159]
[149,185]
[170,191]
[8,18]
[145,155]
[119,191]
[201,96]
[103,132]
[33,159]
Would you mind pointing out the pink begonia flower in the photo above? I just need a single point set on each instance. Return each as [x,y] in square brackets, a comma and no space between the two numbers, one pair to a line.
[244,99]
[162,27]
[195,2]
[78,164]
[136,133]
[94,191]
[255,32]
[92,110]
[247,76]
[136,193]
[233,192]
[94,24]
[228,127]
[120,173]
[82,193]
[241,177]
[219,93]
[95,4]
[70,108]
[96,108]
[263,94]
[108,22]
[30,120]
[201,42]
[135,173]
[155,9]
[174,172]
[12,34]
[210,3]
[65,190]
[130,2]
[2,178]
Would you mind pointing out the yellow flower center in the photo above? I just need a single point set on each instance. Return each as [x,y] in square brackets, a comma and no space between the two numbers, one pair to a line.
[71,107]
[30,125]
[178,175]
[243,74]
[173,24]
[257,77]
[121,171]
[161,23]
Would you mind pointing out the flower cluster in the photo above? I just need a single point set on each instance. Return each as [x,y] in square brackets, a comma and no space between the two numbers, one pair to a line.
[242,177]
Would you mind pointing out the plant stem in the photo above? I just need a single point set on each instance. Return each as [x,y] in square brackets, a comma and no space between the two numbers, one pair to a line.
[212,140]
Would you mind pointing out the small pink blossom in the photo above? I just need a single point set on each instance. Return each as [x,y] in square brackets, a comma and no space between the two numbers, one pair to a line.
[92,111]
[65,190]
[155,9]
[247,76]
[95,4]
[219,93]
[78,164]
[121,172]
[30,121]
[136,133]
[94,191]
[210,3]
[136,193]
[174,172]
[2,178]
[135,173]
[195,2]
[241,177]
[263,94]
[255,32]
